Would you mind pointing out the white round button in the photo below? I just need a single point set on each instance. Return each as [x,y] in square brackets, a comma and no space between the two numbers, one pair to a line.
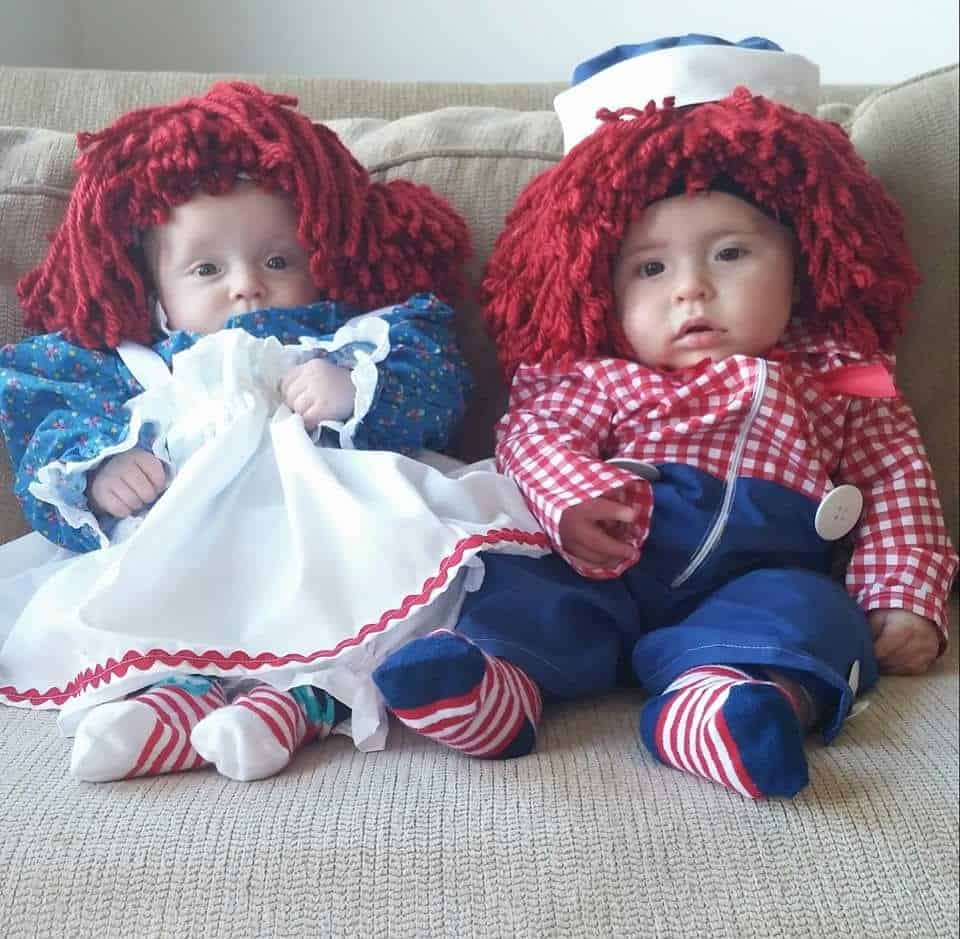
[838,512]
[644,470]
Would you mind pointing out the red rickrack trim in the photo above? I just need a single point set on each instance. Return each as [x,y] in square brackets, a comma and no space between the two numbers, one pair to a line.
[102,674]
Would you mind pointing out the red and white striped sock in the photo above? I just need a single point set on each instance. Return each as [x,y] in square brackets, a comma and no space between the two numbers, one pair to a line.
[727,726]
[146,734]
[446,688]
[256,735]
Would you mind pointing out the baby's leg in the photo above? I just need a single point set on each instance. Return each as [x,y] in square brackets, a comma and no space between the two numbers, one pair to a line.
[256,735]
[147,733]
[807,649]
[446,688]
[534,626]
[721,723]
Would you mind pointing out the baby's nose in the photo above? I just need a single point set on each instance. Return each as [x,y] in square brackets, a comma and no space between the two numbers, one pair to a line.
[246,284]
[692,285]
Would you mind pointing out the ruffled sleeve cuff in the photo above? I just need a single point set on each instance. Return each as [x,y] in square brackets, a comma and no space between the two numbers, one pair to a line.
[358,346]
[63,484]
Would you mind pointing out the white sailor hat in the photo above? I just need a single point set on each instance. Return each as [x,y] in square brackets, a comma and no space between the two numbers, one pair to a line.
[690,69]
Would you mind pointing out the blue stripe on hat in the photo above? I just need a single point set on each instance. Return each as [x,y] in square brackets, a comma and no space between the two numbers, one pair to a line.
[621,53]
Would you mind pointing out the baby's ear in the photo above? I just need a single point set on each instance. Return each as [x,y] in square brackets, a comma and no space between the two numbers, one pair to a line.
[158,315]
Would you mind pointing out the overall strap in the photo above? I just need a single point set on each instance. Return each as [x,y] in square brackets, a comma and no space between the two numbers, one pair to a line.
[147,366]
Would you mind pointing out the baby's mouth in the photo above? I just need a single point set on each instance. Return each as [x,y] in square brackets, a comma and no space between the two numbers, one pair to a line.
[697,333]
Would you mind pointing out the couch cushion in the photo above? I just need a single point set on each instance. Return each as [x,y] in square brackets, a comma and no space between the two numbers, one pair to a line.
[479,158]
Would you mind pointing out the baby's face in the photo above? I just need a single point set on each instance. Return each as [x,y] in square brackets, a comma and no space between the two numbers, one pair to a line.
[222,255]
[703,276]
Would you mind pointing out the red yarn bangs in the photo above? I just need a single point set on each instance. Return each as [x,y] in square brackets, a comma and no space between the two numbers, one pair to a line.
[370,244]
[547,289]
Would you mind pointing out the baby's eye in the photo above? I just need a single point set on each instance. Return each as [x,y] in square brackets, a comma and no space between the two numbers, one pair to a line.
[651,268]
[276,263]
[207,269]
[730,254]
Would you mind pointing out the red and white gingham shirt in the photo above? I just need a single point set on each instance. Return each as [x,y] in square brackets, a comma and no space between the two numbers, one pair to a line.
[562,425]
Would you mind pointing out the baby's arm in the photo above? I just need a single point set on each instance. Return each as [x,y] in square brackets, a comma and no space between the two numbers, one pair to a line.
[903,562]
[551,442]
[422,383]
[393,379]
[60,407]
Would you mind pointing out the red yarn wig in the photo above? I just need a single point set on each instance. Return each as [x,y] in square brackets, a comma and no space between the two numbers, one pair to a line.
[370,244]
[547,290]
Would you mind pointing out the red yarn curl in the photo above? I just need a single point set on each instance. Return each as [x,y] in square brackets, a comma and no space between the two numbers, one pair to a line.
[370,243]
[547,290]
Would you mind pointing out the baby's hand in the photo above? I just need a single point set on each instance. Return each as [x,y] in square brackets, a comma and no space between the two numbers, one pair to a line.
[125,483]
[318,391]
[904,643]
[597,532]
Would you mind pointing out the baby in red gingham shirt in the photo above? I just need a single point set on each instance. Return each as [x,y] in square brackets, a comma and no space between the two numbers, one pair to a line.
[696,307]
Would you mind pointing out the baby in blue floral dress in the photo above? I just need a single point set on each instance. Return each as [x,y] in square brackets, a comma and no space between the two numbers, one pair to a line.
[226,238]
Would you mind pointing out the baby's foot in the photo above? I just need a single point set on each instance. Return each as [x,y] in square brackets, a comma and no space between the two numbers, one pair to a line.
[446,688]
[256,735]
[146,734]
[721,723]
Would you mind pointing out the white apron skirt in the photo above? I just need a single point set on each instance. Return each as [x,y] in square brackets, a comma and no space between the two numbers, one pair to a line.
[266,557]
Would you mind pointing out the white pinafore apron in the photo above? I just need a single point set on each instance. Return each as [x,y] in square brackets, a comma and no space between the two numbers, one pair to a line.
[267,556]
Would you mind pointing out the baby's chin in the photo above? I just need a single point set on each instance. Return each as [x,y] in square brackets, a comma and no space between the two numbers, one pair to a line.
[676,363]
[689,358]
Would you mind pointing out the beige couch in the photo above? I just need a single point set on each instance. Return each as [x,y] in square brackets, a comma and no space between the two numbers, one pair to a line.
[587,837]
